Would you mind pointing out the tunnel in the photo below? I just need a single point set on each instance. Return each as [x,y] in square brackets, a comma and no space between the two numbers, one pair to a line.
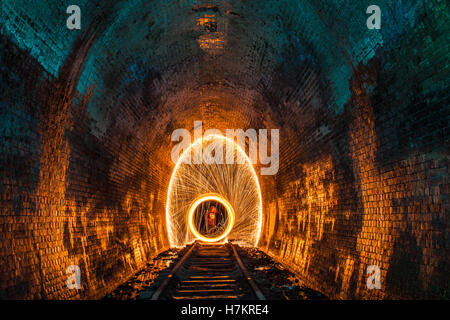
[88,117]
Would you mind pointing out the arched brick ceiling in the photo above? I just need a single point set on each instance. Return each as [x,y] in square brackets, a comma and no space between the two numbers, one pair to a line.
[271,57]
[261,45]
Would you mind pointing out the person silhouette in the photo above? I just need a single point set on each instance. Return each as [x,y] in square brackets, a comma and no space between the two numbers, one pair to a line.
[211,218]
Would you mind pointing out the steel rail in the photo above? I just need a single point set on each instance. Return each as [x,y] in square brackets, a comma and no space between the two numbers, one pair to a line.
[253,287]
[163,286]
[250,281]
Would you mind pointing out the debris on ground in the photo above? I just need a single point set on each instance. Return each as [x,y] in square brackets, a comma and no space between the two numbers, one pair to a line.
[137,286]
[272,278]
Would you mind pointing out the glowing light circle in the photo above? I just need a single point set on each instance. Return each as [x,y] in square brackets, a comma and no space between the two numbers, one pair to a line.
[228,208]
[238,183]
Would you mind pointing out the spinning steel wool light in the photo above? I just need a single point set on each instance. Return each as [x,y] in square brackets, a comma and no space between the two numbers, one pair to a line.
[235,186]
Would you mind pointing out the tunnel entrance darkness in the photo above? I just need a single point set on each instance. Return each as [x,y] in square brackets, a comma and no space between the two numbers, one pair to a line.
[211,218]
[235,186]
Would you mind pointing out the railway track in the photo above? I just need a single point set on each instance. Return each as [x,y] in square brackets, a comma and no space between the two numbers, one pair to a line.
[209,271]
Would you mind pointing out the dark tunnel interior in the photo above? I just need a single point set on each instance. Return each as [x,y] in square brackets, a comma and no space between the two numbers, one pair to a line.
[87,116]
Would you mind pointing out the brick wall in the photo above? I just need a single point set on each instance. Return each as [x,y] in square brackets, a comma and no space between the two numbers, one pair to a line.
[371,186]
[68,197]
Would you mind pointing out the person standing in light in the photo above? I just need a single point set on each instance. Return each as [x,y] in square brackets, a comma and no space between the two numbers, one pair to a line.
[211,218]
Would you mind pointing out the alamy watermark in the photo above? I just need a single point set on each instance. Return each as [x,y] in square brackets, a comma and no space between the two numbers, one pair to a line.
[374,277]
[74,281]
[260,144]
[73,22]
[374,20]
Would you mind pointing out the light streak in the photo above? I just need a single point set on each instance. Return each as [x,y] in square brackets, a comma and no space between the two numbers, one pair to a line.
[230,212]
[235,183]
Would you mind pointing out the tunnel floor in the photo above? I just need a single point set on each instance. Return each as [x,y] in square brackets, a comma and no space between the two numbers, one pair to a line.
[272,278]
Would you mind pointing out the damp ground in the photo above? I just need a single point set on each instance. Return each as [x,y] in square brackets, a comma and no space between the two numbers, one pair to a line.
[274,280]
